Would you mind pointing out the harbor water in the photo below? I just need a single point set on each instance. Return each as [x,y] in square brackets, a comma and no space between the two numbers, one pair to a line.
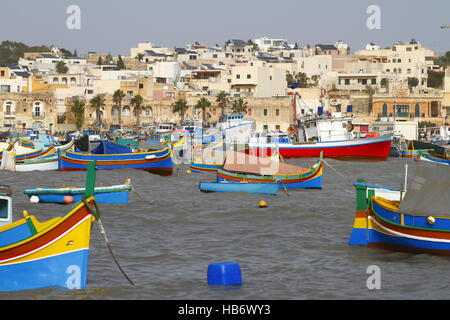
[296,248]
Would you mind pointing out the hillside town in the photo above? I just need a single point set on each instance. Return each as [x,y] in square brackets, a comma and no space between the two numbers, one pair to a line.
[152,85]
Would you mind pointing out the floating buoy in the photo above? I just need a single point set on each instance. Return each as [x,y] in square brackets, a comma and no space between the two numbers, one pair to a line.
[25,213]
[188,171]
[68,199]
[224,274]
[34,199]
[128,181]
[262,204]
[431,220]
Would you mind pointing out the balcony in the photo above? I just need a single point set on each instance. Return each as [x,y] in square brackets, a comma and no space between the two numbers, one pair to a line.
[9,116]
[38,115]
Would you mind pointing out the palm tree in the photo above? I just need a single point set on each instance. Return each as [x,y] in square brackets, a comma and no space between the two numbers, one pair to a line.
[117,99]
[61,67]
[223,100]
[77,109]
[97,103]
[203,103]
[136,101]
[180,107]
[239,106]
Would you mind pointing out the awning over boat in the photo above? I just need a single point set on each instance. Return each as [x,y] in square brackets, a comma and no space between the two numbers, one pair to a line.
[429,193]
[242,162]
[106,147]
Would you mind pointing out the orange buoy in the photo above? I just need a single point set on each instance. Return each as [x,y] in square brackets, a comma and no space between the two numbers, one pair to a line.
[68,199]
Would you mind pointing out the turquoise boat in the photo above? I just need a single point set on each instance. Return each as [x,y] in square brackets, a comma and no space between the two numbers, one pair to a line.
[117,194]
[267,188]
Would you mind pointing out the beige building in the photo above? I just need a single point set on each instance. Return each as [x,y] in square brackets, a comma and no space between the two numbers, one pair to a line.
[257,80]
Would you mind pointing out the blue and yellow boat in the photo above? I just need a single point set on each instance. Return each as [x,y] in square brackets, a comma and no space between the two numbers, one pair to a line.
[416,221]
[53,253]
[111,156]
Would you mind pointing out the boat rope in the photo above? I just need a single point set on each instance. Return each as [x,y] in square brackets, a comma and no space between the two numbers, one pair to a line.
[284,187]
[337,171]
[141,197]
[96,213]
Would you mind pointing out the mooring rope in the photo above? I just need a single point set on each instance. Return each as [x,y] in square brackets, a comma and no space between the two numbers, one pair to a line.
[140,197]
[337,171]
[96,213]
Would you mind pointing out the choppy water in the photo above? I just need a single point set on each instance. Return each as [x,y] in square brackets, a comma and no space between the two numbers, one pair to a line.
[294,249]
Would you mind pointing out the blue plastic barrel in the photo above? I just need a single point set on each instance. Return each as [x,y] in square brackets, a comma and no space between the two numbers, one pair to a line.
[224,274]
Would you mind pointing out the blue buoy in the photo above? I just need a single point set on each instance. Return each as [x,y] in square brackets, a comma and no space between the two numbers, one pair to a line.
[224,274]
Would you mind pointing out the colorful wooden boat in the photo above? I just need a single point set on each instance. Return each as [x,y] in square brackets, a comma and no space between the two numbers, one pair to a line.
[374,147]
[436,158]
[224,186]
[117,194]
[54,253]
[418,222]
[111,156]
[240,167]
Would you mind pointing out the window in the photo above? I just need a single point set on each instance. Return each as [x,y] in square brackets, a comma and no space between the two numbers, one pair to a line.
[277,112]
[277,127]
[5,88]
[270,78]
[238,76]
[364,81]
[408,49]
[265,112]
[141,85]
[373,81]
[347,82]
[129,93]
[249,111]
[265,128]
[249,76]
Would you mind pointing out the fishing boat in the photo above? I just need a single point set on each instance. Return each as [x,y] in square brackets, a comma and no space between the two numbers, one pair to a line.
[435,158]
[241,167]
[224,186]
[371,147]
[415,148]
[111,156]
[117,194]
[53,253]
[47,161]
[412,220]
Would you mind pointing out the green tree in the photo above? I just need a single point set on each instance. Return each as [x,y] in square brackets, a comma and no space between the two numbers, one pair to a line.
[140,56]
[223,100]
[435,79]
[120,63]
[137,101]
[97,104]
[202,104]
[77,108]
[118,95]
[300,78]
[99,61]
[180,107]
[10,51]
[239,106]
[412,82]
[61,67]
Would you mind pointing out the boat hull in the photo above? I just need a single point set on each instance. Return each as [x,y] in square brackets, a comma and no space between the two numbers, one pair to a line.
[431,158]
[266,188]
[111,195]
[311,179]
[160,163]
[50,254]
[379,226]
[377,147]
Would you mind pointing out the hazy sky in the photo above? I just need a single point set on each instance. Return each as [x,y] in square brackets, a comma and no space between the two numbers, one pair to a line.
[112,26]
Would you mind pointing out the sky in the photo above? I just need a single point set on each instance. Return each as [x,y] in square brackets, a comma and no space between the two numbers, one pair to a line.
[112,26]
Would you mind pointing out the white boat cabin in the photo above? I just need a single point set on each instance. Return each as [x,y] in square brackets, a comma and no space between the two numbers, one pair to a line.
[5,206]
[326,130]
